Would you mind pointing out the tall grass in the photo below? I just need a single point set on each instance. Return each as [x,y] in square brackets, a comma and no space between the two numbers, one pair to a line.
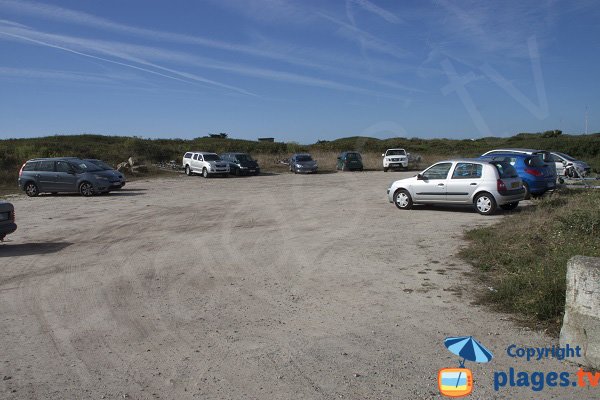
[524,257]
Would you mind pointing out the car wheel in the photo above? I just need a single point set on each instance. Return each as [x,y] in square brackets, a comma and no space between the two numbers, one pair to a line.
[86,189]
[509,206]
[527,192]
[402,199]
[188,171]
[385,169]
[485,204]
[31,189]
[205,172]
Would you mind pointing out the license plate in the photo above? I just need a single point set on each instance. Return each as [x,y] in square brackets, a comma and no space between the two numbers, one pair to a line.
[4,216]
[515,185]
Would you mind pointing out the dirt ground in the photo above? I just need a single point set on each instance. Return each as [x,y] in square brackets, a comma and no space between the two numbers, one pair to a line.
[271,287]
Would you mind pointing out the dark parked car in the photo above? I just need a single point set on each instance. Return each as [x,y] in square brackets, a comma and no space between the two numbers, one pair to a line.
[538,177]
[349,161]
[7,219]
[107,167]
[241,164]
[303,163]
[53,175]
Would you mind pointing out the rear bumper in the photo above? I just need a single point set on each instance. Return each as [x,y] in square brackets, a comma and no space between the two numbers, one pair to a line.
[511,196]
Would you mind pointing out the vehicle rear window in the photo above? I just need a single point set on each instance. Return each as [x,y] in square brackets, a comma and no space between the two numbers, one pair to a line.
[353,156]
[31,166]
[505,170]
[535,161]
[467,171]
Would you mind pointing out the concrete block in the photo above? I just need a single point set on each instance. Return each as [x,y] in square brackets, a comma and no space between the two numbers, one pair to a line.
[581,323]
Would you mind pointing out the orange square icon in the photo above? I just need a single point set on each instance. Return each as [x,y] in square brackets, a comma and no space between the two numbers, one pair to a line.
[455,382]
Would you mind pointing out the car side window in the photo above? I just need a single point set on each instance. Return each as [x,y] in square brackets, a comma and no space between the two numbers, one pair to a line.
[438,171]
[187,155]
[200,157]
[31,166]
[46,166]
[195,156]
[62,166]
[467,171]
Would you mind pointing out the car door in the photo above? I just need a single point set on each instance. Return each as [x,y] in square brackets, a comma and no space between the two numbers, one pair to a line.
[430,185]
[463,182]
[46,176]
[66,177]
[194,163]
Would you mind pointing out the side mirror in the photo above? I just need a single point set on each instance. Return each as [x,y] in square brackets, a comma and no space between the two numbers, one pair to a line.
[420,177]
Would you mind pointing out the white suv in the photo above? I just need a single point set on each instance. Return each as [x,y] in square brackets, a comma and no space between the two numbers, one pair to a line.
[207,164]
[395,158]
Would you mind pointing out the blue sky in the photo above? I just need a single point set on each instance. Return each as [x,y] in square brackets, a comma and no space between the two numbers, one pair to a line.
[298,70]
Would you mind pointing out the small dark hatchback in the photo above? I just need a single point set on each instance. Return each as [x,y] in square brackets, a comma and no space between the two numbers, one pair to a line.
[349,161]
[241,163]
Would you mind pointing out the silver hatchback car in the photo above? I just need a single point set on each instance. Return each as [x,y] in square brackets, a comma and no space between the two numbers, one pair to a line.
[486,184]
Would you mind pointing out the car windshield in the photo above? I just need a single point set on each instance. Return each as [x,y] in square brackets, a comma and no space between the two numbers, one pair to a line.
[353,156]
[243,157]
[85,166]
[568,157]
[505,169]
[303,158]
[398,152]
[101,164]
[211,157]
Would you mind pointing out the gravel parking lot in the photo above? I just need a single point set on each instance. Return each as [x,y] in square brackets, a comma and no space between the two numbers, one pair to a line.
[269,287]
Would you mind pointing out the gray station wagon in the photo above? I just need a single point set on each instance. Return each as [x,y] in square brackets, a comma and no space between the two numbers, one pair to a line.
[68,174]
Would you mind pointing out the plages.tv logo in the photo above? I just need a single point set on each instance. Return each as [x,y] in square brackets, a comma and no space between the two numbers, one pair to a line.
[458,382]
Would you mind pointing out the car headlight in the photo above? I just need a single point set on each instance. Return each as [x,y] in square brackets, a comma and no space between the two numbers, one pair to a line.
[298,166]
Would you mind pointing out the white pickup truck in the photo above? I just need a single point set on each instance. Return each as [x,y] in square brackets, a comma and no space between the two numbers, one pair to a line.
[207,164]
[395,158]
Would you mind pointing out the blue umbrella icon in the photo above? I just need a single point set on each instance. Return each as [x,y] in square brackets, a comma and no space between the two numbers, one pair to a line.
[469,349]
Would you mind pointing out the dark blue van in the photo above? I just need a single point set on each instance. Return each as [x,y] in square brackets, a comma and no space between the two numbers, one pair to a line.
[538,177]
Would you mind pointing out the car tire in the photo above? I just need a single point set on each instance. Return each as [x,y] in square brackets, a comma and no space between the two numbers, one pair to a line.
[509,206]
[485,204]
[205,172]
[188,170]
[86,189]
[31,189]
[385,169]
[527,192]
[402,199]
